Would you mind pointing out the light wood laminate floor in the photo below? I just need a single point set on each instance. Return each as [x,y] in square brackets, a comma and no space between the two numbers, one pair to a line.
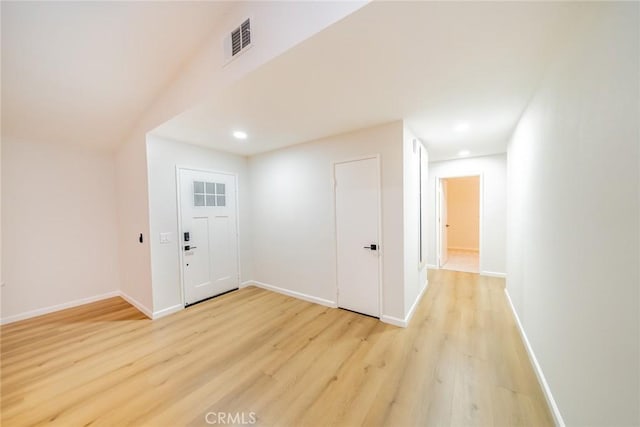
[460,362]
[461,260]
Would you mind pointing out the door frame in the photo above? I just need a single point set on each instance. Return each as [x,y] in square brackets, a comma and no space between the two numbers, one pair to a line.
[335,224]
[439,179]
[439,228]
[180,232]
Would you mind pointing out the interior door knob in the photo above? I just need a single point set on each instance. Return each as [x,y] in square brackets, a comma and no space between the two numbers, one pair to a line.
[373,247]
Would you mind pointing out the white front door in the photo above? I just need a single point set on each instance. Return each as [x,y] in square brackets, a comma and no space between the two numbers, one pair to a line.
[357,196]
[208,234]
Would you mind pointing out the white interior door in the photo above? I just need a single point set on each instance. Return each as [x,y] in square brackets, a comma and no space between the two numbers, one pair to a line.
[443,224]
[208,234]
[357,195]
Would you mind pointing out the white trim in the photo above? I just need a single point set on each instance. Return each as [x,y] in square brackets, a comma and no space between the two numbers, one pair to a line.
[180,236]
[439,198]
[167,311]
[380,230]
[432,267]
[294,294]
[416,302]
[493,274]
[137,304]
[555,411]
[481,249]
[403,323]
[452,248]
[393,321]
[83,301]
[53,308]
[238,247]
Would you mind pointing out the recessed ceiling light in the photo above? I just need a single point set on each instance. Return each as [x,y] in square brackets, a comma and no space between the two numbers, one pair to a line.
[239,134]
[463,153]
[461,127]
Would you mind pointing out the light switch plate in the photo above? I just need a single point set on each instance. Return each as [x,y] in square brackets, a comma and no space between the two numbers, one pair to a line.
[165,237]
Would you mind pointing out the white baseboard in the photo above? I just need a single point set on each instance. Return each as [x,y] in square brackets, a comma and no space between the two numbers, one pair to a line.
[555,411]
[53,308]
[403,323]
[137,304]
[294,294]
[167,311]
[493,274]
[310,298]
[432,267]
[396,321]
[416,302]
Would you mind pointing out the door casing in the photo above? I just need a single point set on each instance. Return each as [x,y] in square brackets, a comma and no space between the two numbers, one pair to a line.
[439,230]
[180,231]
[381,246]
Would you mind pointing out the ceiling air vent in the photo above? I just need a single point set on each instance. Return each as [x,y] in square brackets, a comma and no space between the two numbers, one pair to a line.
[246,33]
[237,41]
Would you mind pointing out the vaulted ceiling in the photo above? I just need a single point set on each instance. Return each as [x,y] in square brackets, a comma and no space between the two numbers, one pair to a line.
[442,66]
[82,73]
[459,73]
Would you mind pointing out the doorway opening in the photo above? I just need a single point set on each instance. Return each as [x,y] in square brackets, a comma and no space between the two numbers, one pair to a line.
[459,223]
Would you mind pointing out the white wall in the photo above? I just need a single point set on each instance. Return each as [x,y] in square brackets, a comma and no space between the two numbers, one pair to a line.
[201,77]
[59,219]
[162,157]
[293,223]
[415,271]
[133,219]
[1,271]
[494,216]
[574,221]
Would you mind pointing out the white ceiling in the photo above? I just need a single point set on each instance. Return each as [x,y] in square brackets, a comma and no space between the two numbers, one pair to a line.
[83,72]
[432,63]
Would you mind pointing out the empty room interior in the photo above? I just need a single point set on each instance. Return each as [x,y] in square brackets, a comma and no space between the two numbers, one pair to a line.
[314,213]
[459,223]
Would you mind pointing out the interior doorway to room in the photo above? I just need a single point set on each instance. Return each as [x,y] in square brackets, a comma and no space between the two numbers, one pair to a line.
[459,215]
[208,234]
[357,214]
